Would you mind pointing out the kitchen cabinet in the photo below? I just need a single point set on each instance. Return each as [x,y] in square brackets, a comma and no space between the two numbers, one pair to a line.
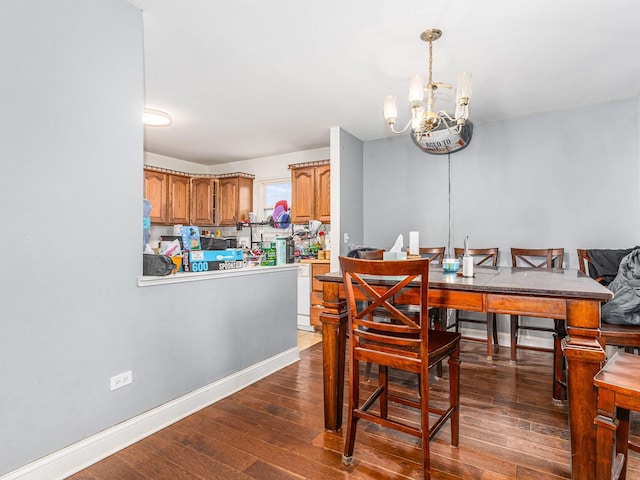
[169,197]
[203,198]
[318,267]
[235,198]
[155,190]
[178,197]
[310,193]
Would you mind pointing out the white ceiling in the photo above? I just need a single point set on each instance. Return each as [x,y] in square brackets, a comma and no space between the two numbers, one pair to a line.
[253,78]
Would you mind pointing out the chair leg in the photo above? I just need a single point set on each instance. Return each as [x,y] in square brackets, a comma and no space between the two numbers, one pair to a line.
[559,393]
[494,323]
[514,337]
[383,381]
[622,439]
[424,416]
[367,372]
[606,426]
[490,335]
[439,323]
[352,421]
[454,394]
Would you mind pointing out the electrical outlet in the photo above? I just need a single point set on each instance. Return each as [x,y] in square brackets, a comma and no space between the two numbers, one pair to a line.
[121,380]
[346,238]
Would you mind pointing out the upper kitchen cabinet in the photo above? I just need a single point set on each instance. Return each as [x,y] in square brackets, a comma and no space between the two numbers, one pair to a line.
[203,198]
[179,191]
[310,192]
[168,195]
[155,190]
[235,199]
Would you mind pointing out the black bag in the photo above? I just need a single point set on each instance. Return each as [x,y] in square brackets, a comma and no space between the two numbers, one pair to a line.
[156,264]
[211,243]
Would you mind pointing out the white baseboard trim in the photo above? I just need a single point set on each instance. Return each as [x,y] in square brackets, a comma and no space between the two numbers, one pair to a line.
[504,338]
[80,455]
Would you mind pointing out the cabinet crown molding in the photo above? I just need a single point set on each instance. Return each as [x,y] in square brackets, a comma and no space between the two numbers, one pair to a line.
[309,164]
[198,175]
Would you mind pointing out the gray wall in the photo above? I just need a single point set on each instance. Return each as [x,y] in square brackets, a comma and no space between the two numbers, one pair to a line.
[351,192]
[564,179]
[71,312]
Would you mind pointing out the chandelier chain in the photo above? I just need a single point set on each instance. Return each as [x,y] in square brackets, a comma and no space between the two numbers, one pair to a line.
[430,61]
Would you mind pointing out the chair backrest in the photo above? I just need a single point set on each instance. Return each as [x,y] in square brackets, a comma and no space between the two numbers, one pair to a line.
[626,336]
[371,254]
[435,254]
[404,336]
[481,256]
[537,257]
[584,261]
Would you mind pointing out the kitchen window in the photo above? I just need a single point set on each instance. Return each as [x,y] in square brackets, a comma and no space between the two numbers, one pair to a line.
[272,192]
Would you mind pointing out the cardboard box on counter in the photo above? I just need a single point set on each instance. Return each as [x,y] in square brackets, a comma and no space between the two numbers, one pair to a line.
[229,254]
[209,266]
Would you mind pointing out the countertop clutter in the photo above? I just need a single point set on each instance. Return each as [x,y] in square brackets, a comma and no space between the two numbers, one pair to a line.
[188,252]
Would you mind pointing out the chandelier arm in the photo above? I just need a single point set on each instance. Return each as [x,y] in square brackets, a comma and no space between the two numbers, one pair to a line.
[400,131]
[443,114]
[455,130]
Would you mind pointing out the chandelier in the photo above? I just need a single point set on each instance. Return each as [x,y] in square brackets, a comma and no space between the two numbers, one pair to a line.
[434,131]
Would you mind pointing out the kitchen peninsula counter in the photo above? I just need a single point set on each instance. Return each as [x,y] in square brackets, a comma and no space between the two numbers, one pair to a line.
[183,277]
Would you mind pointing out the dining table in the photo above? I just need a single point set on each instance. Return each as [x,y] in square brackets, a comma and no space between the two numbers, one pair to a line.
[560,294]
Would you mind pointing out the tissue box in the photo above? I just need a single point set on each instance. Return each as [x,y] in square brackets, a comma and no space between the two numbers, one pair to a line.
[394,255]
[215,255]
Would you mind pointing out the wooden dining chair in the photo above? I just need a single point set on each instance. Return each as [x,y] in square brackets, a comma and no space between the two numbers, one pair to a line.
[435,254]
[623,336]
[371,254]
[541,258]
[487,257]
[405,344]
[618,388]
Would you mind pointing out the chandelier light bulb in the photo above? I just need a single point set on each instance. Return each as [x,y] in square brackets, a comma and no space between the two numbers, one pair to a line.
[390,109]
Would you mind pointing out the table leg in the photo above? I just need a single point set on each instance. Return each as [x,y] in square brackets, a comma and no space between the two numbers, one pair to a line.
[584,357]
[334,334]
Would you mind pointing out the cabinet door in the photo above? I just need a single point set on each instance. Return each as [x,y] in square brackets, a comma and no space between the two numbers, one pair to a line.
[245,198]
[202,198]
[323,193]
[178,199]
[155,190]
[228,200]
[302,194]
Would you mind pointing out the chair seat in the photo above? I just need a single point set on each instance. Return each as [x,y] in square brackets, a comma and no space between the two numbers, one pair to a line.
[440,344]
[627,336]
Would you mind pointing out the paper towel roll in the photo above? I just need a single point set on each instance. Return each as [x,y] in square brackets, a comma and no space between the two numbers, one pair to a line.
[467,266]
[414,243]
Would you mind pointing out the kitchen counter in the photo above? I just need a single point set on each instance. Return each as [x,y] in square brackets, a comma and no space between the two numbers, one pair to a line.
[314,260]
[182,277]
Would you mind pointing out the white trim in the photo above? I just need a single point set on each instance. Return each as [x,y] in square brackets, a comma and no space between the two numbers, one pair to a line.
[78,456]
[182,277]
[504,338]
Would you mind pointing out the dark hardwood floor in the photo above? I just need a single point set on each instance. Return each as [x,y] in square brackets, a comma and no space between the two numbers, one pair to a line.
[274,430]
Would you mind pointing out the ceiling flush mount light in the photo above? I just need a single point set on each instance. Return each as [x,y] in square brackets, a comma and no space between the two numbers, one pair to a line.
[156,118]
[434,131]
